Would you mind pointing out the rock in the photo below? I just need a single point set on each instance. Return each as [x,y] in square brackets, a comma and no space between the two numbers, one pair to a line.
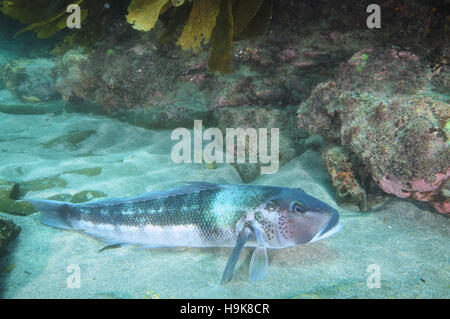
[80,197]
[132,85]
[6,190]
[31,80]
[85,196]
[10,202]
[347,176]
[441,79]
[441,200]
[70,68]
[11,194]
[178,108]
[250,117]
[8,232]
[382,110]
[151,85]
[340,168]
[11,104]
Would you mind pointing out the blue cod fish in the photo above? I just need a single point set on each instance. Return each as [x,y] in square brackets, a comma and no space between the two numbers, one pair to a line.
[203,215]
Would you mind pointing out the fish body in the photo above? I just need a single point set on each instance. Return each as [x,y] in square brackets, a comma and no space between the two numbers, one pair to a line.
[202,215]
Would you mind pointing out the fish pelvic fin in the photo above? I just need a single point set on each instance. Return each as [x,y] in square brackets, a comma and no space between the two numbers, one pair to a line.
[231,264]
[112,246]
[259,264]
[53,213]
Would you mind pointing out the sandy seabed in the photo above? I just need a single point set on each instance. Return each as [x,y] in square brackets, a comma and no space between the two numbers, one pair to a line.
[408,242]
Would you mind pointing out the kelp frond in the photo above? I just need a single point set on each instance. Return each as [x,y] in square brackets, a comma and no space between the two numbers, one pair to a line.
[220,59]
[202,20]
[46,21]
[143,14]
[216,21]
[48,17]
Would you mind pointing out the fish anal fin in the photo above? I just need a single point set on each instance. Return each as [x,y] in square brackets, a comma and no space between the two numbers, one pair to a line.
[112,246]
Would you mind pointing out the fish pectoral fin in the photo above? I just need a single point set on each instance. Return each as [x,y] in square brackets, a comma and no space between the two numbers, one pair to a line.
[113,246]
[259,264]
[231,264]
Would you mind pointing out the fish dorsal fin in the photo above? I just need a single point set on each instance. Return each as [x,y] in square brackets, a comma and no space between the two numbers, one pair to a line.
[186,188]
[102,202]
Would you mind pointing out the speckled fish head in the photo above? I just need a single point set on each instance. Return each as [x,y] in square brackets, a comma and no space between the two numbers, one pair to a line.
[293,217]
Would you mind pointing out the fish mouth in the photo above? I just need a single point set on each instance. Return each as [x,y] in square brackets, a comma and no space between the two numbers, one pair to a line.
[331,228]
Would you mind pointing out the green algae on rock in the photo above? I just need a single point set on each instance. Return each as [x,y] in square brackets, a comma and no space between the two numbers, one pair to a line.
[48,18]
[30,80]
[87,195]
[71,140]
[353,187]
[89,171]
[208,19]
[80,197]
[201,26]
[12,194]
[391,121]
[261,117]
[10,202]
[8,232]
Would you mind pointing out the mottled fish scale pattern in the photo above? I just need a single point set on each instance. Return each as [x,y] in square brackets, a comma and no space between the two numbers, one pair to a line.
[200,214]
[199,218]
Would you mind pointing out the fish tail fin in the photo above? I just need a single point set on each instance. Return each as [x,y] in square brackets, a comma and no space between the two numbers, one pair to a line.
[53,213]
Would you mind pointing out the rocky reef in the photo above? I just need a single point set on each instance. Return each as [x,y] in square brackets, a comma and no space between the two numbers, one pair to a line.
[384,114]
[10,201]
[8,232]
[378,98]
[218,22]
[12,193]
[246,117]
[32,80]
[155,85]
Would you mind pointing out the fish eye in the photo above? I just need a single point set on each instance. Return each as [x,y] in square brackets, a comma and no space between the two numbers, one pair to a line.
[298,208]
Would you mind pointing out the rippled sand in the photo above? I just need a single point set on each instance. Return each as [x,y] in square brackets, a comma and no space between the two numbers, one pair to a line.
[409,242]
